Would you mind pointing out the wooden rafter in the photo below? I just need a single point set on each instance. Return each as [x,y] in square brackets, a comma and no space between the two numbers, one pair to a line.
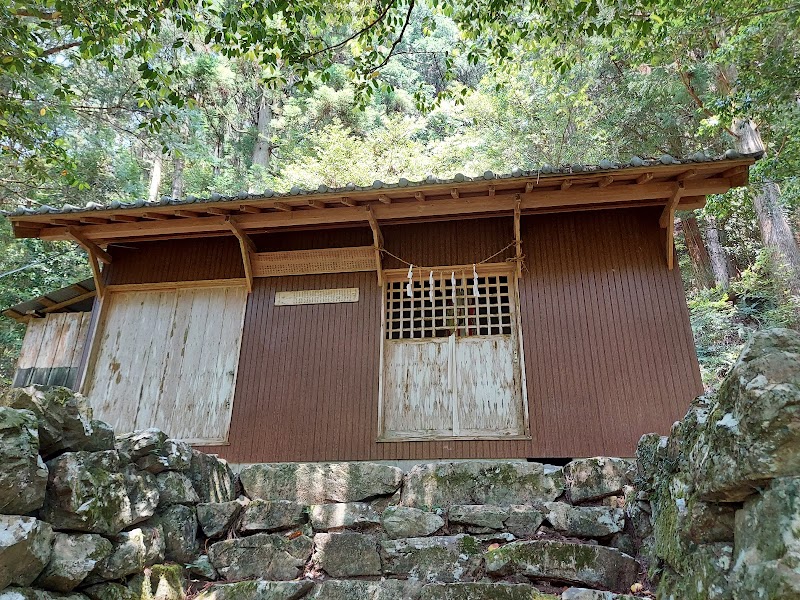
[377,241]
[667,220]
[89,245]
[248,248]
[384,199]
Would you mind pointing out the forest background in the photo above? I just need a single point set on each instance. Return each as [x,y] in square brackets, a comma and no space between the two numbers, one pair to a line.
[140,99]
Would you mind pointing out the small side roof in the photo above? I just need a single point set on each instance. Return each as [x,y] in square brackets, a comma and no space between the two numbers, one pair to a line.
[77,297]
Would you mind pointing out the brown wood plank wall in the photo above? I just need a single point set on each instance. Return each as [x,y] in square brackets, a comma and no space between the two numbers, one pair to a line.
[608,349]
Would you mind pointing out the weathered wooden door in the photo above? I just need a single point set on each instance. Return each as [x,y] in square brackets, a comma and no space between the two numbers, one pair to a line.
[452,363]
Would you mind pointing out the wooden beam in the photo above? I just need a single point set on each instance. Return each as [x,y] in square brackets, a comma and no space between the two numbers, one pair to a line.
[248,248]
[282,206]
[124,218]
[215,210]
[644,178]
[66,222]
[518,236]
[419,196]
[316,204]
[384,199]
[605,181]
[566,184]
[690,174]
[668,220]
[89,245]
[377,241]
[156,216]
[75,300]
[247,208]
[454,193]
[528,187]
[94,220]
[187,213]
[348,201]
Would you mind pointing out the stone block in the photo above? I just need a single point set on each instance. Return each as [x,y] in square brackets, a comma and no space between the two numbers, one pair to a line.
[407,522]
[211,477]
[584,521]
[23,476]
[593,478]
[217,518]
[25,549]
[318,483]
[179,524]
[257,590]
[263,555]
[433,559]
[444,484]
[359,589]
[109,591]
[523,520]
[132,551]
[478,515]
[591,565]
[482,591]
[347,554]
[175,488]
[272,515]
[353,515]
[74,557]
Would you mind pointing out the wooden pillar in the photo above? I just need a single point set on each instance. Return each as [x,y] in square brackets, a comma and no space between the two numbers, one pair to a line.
[247,247]
[377,243]
[667,220]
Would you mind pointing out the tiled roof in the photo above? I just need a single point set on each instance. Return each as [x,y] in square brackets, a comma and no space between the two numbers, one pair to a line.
[77,297]
[542,172]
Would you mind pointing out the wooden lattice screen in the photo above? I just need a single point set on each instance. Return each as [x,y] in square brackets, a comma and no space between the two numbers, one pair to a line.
[311,262]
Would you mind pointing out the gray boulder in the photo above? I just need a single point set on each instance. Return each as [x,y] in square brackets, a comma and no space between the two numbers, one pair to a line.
[263,555]
[143,493]
[359,589]
[133,551]
[179,523]
[160,582]
[63,416]
[217,518]
[175,488]
[25,593]
[407,522]
[481,591]
[750,435]
[257,590]
[478,515]
[347,554]
[172,455]
[109,591]
[74,557]
[87,492]
[523,520]
[352,515]
[201,567]
[433,559]
[272,515]
[101,438]
[138,444]
[585,521]
[23,476]
[481,482]
[318,483]
[25,548]
[211,477]
[593,478]
[586,564]
[767,554]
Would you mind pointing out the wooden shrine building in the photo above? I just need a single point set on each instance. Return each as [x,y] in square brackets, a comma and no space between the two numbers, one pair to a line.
[530,315]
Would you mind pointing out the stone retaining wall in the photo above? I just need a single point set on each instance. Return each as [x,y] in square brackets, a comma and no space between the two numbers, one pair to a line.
[713,511]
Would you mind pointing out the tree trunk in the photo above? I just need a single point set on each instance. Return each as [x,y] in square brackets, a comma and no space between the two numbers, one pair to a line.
[717,254]
[776,234]
[155,178]
[701,263]
[262,149]
[218,151]
[177,177]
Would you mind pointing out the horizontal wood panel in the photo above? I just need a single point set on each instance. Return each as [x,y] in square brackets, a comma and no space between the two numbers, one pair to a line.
[608,349]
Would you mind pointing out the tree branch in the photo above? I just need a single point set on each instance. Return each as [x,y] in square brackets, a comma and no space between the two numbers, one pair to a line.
[399,37]
[61,48]
[380,18]
[686,79]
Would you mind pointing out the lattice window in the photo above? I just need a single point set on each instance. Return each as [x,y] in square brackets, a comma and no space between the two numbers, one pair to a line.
[462,313]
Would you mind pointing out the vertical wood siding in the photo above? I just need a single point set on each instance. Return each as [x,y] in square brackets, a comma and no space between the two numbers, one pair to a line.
[608,349]
[169,359]
[52,349]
